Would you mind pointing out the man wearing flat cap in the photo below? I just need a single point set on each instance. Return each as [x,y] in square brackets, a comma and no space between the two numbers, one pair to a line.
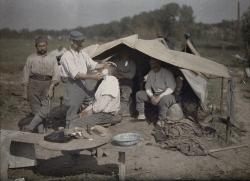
[75,69]
[40,75]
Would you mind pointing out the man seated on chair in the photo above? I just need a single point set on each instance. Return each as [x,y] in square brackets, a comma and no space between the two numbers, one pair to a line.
[160,85]
[105,107]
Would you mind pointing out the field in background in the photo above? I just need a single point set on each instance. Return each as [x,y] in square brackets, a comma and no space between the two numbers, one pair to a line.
[15,51]
[13,108]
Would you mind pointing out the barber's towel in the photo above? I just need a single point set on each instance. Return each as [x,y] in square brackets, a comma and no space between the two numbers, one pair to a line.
[109,86]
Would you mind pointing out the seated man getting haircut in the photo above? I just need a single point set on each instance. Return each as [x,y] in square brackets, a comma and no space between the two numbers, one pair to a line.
[106,104]
[160,85]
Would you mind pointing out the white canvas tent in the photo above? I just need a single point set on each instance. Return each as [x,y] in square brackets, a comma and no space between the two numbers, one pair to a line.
[155,49]
[191,66]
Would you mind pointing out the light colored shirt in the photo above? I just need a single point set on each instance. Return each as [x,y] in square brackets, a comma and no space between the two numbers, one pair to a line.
[41,64]
[107,96]
[73,62]
[158,82]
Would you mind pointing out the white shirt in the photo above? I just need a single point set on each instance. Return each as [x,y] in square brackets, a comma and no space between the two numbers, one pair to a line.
[73,62]
[159,82]
[107,96]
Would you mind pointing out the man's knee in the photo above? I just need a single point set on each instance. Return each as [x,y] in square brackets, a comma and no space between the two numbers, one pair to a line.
[126,92]
[167,100]
[141,95]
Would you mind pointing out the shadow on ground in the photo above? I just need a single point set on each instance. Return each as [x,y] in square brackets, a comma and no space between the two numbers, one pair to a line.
[74,164]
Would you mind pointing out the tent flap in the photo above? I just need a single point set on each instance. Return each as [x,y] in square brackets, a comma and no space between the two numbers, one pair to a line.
[155,49]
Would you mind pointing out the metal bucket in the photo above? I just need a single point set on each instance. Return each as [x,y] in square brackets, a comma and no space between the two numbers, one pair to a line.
[126,139]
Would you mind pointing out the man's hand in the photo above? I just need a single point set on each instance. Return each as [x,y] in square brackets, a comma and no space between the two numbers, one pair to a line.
[86,112]
[108,64]
[155,100]
[97,76]
[50,93]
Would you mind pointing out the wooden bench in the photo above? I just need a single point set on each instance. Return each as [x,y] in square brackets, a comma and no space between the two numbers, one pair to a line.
[18,148]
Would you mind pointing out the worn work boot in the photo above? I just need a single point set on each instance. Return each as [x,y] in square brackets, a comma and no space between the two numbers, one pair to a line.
[27,128]
[141,117]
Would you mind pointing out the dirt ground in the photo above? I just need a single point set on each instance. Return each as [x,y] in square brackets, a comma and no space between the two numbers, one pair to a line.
[146,161]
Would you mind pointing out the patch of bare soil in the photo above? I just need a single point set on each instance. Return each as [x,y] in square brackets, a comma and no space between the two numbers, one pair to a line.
[146,161]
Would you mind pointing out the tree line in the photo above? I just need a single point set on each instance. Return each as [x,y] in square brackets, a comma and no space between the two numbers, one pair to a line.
[171,19]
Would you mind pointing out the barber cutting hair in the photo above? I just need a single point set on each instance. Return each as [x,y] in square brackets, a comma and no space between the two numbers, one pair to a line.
[76,67]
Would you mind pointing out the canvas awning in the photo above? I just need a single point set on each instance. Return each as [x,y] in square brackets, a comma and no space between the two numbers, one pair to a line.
[157,50]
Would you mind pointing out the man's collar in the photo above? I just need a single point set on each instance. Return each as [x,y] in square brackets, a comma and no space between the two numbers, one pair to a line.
[43,55]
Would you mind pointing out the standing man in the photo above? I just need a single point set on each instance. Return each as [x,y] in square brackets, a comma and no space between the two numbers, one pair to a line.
[41,74]
[126,69]
[160,85]
[75,67]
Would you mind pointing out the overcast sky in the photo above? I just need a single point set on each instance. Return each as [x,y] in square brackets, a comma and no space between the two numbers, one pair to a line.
[60,14]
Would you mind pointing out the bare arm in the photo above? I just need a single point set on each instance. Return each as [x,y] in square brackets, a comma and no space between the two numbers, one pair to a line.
[82,76]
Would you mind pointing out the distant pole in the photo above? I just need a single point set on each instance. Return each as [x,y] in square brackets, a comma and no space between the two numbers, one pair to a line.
[238,21]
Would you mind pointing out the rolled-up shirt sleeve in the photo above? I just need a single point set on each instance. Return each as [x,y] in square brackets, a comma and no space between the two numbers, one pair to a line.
[148,86]
[90,62]
[26,71]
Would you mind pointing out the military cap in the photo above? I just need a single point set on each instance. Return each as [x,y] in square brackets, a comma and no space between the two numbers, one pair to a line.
[76,35]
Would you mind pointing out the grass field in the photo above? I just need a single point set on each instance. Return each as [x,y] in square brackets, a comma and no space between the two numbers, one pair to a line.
[15,51]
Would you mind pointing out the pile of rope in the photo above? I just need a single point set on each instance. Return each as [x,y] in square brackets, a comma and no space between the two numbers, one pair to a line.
[180,135]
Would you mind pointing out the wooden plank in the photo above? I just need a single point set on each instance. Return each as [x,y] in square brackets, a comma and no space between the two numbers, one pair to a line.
[5,145]
[20,136]
[122,165]
[17,149]
[221,95]
[226,148]
[22,155]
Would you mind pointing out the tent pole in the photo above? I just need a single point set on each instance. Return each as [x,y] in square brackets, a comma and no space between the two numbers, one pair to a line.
[221,95]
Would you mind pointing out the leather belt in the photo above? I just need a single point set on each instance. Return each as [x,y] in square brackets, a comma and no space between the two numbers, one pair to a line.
[41,77]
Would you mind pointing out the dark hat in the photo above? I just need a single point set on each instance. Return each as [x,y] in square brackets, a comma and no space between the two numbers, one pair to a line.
[187,35]
[40,39]
[76,35]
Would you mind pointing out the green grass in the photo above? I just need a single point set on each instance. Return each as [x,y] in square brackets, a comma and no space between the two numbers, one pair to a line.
[14,52]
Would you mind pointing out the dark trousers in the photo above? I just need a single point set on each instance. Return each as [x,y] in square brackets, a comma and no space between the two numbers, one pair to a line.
[37,92]
[126,88]
[163,105]
[94,119]
[76,93]
[39,102]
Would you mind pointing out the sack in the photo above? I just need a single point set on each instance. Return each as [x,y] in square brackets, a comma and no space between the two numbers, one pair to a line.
[57,137]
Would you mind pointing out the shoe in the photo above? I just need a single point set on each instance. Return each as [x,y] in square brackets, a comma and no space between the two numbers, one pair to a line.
[26,128]
[141,117]
[117,119]
[160,123]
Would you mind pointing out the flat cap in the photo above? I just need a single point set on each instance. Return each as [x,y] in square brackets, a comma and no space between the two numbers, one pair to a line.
[76,35]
